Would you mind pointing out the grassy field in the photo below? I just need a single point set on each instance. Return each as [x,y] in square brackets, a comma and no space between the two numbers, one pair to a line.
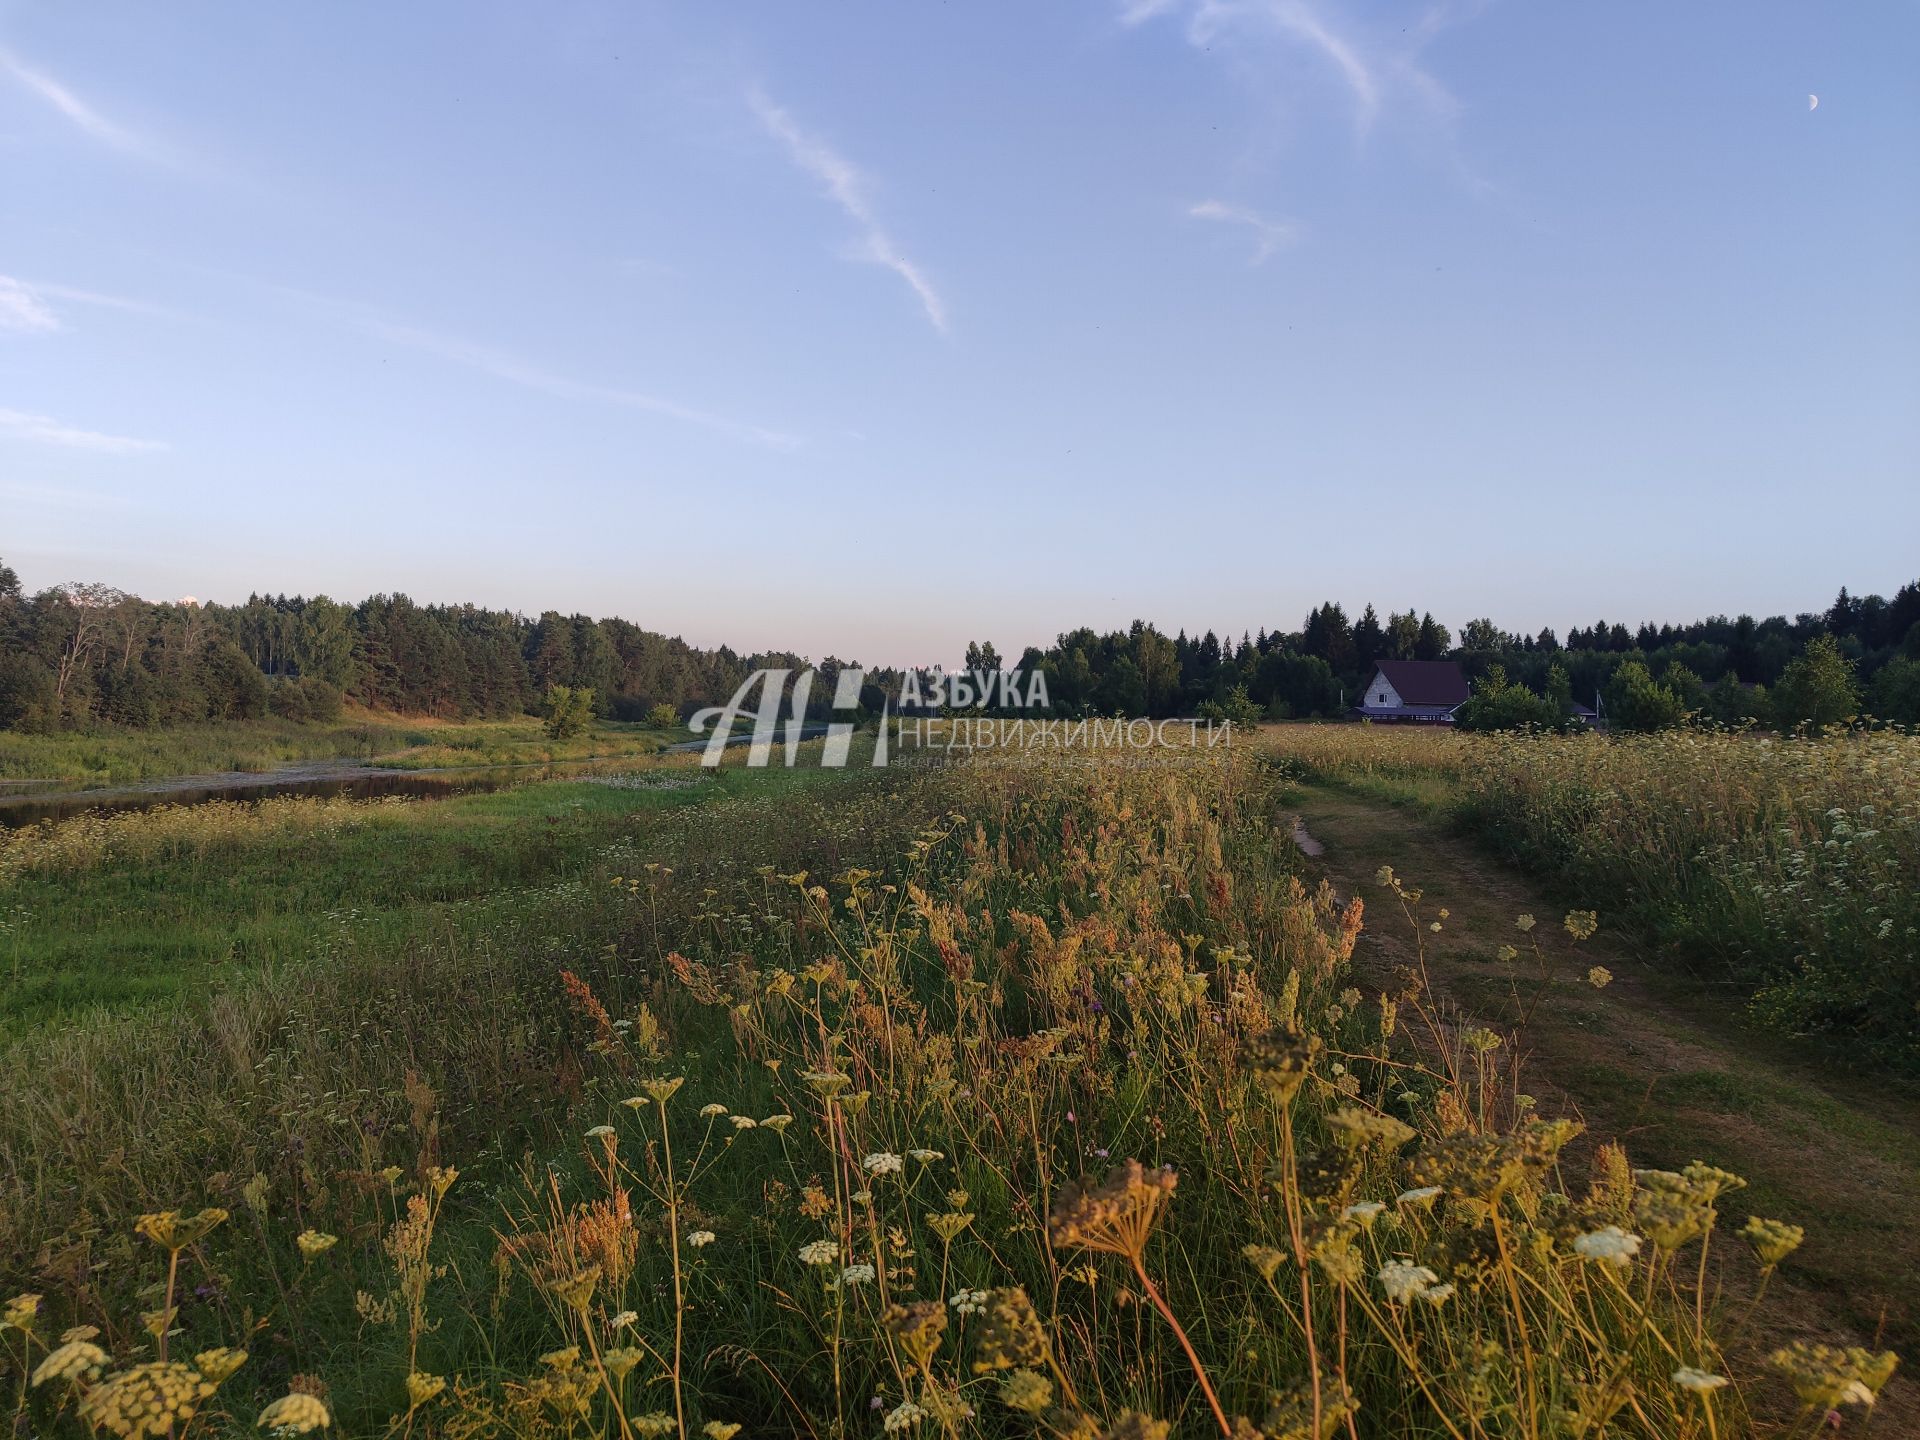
[114,912]
[1000,1099]
[117,756]
[1791,866]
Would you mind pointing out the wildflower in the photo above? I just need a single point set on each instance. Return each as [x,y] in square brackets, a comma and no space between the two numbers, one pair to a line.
[1671,1208]
[661,1090]
[1710,1180]
[653,1424]
[1281,1059]
[1026,1390]
[1772,1240]
[561,1360]
[861,1197]
[601,1132]
[1479,1039]
[883,1163]
[720,1429]
[701,1238]
[1119,1215]
[634,1102]
[710,1112]
[856,1275]
[1599,977]
[970,1302]
[392,1173]
[903,1416]
[77,1362]
[1355,1127]
[314,1243]
[1365,1211]
[917,1328]
[441,1178]
[219,1364]
[20,1312]
[1610,1244]
[925,1157]
[622,1320]
[743,1122]
[1012,1339]
[777,1123]
[295,1414]
[171,1231]
[1524,923]
[1700,1382]
[828,1083]
[950,1224]
[1264,1258]
[78,1332]
[1438,1295]
[1827,1378]
[1404,1282]
[1581,923]
[820,1252]
[422,1387]
[148,1399]
[1425,1195]
[1506,953]
[577,1290]
[1136,1425]
[1337,1259]
[620,1361]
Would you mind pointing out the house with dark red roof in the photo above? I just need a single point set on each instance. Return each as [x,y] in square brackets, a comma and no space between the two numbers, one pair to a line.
[1417,691]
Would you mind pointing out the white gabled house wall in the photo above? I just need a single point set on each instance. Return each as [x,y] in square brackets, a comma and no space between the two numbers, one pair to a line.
[1380,692]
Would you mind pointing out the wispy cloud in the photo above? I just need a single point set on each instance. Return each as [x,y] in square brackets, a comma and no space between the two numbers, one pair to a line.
[502,365]
[1269,235]
[847,188]
[45,430]
[1372,72]
[76,110]
[74,295]
[23,304]
[21,308]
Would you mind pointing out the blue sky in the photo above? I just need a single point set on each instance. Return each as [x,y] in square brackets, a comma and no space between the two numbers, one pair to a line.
[870,328]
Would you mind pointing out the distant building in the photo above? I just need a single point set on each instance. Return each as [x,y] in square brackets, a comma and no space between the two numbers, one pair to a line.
[1415,691]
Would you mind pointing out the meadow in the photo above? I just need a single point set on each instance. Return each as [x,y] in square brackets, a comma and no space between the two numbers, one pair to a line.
[1011,1098]
[1787,865]
[110,755]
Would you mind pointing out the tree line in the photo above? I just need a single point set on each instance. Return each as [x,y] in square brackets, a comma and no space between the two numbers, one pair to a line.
[86,654]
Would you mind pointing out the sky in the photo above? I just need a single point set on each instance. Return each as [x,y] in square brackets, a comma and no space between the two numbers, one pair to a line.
[869,327]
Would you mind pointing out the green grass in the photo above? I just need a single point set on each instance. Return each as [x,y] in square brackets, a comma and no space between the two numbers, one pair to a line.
[106,755]
[184,905]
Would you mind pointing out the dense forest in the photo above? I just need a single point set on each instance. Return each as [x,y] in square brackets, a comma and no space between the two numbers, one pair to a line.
[86,654]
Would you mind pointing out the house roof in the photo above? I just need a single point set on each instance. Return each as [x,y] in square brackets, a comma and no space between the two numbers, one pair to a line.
[1426,682]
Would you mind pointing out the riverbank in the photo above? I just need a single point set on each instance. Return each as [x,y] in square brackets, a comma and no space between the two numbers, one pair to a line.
[75,760]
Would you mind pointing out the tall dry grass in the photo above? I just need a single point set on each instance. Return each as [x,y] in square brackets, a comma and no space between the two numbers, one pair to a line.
[1007,1099]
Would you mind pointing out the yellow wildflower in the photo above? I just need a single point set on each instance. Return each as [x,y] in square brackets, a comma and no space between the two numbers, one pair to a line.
[295,1414]
[422,1387]
[220,1363]
[148,1400]
[76,1361]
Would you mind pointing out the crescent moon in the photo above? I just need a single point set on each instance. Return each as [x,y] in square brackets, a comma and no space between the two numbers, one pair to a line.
[1813,102]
